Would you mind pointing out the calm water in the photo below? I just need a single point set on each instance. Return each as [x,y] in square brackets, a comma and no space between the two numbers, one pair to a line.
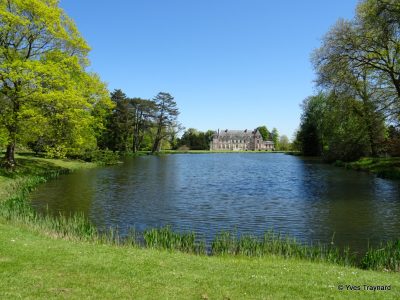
[247,192]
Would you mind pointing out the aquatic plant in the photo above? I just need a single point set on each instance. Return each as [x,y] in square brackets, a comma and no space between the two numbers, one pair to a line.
[385,257]
[165,238]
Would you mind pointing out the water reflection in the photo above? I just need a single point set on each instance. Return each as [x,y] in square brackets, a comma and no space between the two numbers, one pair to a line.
[247,192]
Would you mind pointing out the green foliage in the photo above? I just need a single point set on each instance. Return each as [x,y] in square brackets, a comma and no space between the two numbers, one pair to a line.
[3,138]
[166,116]
[377,31]
[193,139]
[103,157]
[392,142]
[331,127]
[382,167]
[284,144]
[275,138]
[266,135]
[358,69]
[384,258]
[119,124]
[45,93]
[58,151]
[165,238]
[138,124]
[276,244]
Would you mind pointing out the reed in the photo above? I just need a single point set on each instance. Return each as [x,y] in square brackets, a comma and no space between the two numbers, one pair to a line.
[275,244]
[384,258]
[165,238]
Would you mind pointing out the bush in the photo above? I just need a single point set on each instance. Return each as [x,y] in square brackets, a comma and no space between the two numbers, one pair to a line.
[59,151]
[106,157]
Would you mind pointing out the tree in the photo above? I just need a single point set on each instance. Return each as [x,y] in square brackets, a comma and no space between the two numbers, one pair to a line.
[166,117]
[378,43]
[129,122]
[121,121]
[347,78]
[143,116]
[331,127]
[393,141]
[284,144]
[42,74]
[371,42]
[344,131]
[309,137]
[266,135]
[275,138]
[195,140]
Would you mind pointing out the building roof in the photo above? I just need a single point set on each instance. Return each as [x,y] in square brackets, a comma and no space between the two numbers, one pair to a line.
[238,134]
[234,134]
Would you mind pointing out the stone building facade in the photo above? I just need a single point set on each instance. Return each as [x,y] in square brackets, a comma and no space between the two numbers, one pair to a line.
[239,140]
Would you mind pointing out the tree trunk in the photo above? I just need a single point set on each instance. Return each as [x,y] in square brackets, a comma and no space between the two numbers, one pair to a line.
[374,152]
[157,140]
[135,144]
[156,145]
[134,147]
[9,159]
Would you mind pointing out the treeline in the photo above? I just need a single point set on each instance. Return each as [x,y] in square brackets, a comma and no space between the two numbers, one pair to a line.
[193,139]
[140,124]
[357,109]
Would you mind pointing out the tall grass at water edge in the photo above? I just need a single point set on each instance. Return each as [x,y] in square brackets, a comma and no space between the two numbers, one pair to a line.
[17,209]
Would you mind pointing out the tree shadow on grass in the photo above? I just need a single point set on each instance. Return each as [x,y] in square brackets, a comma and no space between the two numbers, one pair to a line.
[28,166]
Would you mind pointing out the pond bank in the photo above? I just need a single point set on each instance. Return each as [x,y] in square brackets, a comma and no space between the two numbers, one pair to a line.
[388,168]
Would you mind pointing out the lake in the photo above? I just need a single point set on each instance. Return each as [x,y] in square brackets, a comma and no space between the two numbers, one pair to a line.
[244,192]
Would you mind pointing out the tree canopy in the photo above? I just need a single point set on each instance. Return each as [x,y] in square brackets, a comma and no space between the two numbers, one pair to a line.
[47,97]
[358,75]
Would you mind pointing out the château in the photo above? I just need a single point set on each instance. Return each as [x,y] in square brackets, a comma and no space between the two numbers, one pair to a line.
[240,140]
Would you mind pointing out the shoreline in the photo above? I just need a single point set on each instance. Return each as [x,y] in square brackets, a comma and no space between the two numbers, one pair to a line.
[386,168]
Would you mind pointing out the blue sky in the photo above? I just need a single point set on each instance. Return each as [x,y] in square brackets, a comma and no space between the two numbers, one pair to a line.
[232,64]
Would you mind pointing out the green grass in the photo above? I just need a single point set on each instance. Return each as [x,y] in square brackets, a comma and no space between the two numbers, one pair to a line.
[37,266]
[383,167]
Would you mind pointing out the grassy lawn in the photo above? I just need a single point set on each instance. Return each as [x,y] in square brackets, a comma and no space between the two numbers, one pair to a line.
[35,266]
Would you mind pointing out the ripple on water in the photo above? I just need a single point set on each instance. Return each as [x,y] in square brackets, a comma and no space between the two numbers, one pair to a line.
[247,192]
